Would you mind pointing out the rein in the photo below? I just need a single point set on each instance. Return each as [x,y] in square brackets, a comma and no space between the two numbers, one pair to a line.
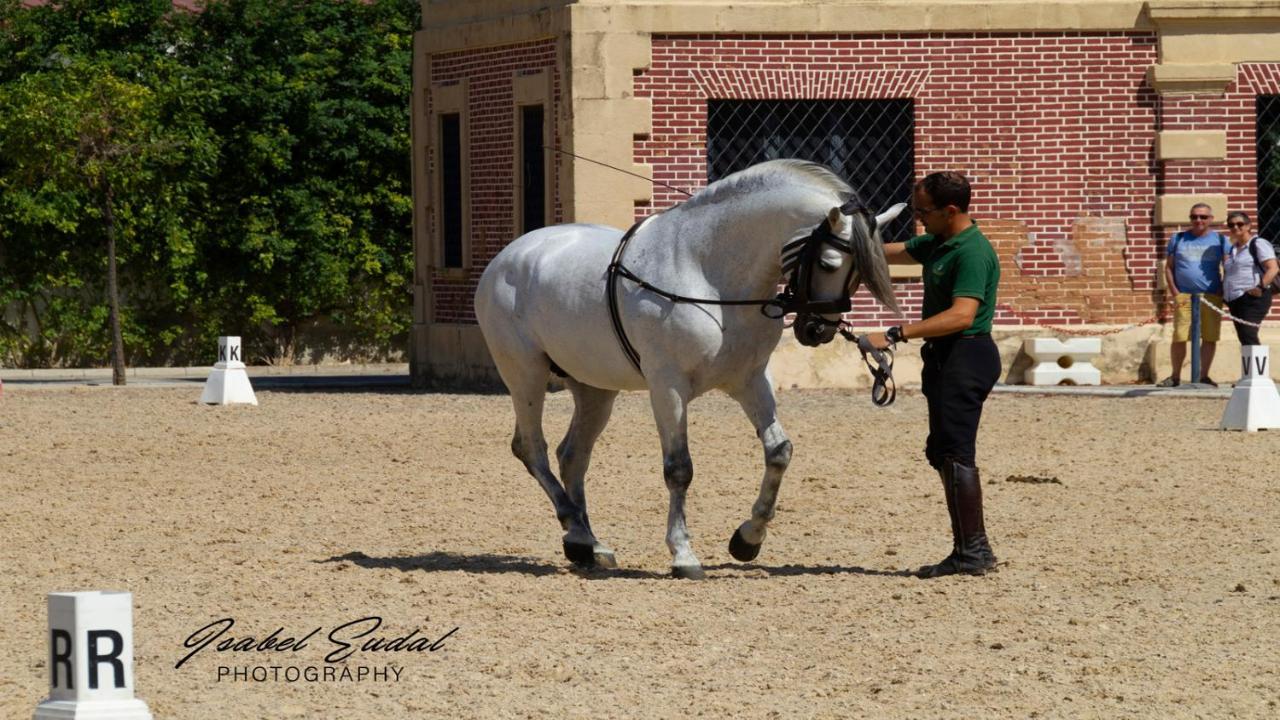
[797,264]
[883,390]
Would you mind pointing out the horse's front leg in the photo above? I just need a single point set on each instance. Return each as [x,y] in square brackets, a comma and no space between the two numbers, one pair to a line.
[669,411]
[756,399]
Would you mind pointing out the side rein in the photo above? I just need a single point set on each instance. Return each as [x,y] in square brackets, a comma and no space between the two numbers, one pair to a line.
[798,259]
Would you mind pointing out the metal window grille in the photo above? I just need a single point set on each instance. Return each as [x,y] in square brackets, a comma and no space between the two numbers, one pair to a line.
[1268,111]
[869,143]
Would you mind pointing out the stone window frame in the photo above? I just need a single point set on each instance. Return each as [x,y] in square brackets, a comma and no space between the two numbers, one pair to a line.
[530,89]
[450,100]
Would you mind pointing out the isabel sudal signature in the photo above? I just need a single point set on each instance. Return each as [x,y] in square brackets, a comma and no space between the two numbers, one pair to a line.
[343,641]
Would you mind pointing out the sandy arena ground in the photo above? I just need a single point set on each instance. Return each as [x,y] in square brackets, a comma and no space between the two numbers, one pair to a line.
[1140,579]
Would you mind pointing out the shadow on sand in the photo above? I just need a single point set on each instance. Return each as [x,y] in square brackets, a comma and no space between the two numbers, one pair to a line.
[487,563]
[482,564]
[793,570]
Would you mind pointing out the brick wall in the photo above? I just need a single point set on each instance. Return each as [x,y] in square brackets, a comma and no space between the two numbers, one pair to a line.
[492,144]
[1056,131]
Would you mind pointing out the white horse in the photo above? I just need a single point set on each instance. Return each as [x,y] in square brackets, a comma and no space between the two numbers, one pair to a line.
[543,306]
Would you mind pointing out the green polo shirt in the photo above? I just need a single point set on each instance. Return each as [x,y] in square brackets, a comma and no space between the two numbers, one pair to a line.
[964,266]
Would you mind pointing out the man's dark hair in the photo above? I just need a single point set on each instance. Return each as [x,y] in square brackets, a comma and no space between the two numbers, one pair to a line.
[947,188]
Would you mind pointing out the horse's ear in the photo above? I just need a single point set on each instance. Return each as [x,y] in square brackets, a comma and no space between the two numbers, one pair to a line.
[888,215]
[834,219]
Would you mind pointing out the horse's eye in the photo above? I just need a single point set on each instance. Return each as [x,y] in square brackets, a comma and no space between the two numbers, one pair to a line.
[831,260]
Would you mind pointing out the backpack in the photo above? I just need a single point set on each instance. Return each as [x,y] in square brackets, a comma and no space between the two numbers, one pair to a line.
[1253,250]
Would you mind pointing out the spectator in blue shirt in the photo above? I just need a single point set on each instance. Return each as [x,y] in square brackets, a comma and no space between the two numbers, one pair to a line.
[1194,265]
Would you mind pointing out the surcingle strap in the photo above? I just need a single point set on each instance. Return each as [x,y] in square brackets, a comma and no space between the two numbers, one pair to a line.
[611,292]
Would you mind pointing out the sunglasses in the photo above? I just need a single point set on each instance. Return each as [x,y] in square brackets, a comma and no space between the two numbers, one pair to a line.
[1201,217]
[1237,224]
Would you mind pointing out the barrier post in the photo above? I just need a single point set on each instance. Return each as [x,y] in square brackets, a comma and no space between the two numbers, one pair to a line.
[1195,337]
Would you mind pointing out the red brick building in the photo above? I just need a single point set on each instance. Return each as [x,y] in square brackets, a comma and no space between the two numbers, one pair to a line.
[1087,128]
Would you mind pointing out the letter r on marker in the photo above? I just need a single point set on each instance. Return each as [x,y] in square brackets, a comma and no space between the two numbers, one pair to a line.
[60,651]
[112,658]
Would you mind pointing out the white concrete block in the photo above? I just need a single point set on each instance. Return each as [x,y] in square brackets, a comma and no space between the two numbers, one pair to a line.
[1254,403]
[1058,362]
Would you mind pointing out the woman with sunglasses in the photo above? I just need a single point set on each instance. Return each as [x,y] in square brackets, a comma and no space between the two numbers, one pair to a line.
[1249,266]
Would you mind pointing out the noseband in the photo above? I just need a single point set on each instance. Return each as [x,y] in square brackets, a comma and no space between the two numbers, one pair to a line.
[798,258]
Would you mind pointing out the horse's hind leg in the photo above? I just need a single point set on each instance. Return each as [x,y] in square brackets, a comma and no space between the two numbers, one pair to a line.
[756,399]
[669,411]
[527,382]
[591,410]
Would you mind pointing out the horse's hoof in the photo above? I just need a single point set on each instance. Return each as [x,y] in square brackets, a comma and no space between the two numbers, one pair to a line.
[688,572]
[580,554]
[742,550]
[604,558]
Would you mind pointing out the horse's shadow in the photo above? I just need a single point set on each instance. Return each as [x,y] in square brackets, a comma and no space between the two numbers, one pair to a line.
[479,564]
[488,563]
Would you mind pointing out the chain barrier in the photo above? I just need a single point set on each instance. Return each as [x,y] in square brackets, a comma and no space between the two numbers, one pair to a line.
[1083,333]
[1226,314]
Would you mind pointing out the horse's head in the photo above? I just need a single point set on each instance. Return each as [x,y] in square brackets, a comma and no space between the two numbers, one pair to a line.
[824,269]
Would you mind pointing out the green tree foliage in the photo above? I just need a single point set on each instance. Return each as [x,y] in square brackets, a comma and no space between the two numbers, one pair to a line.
[312,197]
[265,191]
[94,157]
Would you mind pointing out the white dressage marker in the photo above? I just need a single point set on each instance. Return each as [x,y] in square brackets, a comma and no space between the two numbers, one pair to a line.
[91,658]
[1254,404]
[228,384]
[1060,362]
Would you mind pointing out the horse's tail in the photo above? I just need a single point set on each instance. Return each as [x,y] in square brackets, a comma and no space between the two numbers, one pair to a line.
[873,267]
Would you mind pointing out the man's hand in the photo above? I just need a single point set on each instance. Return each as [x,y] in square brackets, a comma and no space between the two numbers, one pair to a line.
[878,340]
[1254,291]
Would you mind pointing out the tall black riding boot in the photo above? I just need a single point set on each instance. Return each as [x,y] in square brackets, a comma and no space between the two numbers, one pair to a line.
[971,553]
[949,492]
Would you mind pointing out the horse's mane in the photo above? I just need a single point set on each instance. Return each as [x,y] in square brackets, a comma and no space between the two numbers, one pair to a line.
[770,174]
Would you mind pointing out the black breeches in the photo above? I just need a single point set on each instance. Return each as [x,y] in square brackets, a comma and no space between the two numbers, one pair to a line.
[958,374]
[1252,309]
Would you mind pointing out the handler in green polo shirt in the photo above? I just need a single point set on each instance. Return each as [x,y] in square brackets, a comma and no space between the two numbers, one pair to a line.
[961,363]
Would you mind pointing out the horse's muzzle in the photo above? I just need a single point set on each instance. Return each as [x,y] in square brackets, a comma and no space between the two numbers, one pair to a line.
[814,330]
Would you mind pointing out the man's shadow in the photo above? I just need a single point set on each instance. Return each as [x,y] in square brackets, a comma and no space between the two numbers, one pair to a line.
[488,563]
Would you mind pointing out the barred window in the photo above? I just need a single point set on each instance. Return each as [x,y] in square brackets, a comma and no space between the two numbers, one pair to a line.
[869,143]
[1268,138]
